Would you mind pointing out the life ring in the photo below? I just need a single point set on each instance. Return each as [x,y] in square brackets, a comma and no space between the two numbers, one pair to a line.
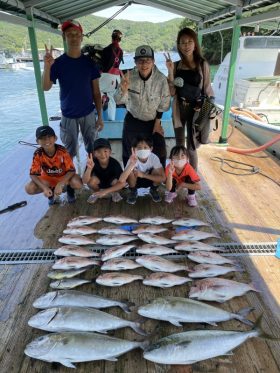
[246,113]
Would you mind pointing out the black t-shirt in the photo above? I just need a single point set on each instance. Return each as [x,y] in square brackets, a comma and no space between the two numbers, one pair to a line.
[108,174]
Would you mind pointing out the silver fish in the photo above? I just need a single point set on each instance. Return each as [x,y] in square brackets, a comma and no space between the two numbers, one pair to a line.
[74,262]
[208,257]
[117,279]
[180,310]
[153,238]
[76,240]
[193,235]
[75,347]
[219,289]
[197,345]
[72,250]
[60,274]
[68,283]
[152,249]
[196,246]
[212,270]
[159,264]
[114,231]
[115,240]
[115,252]
[118,219]
[79,230]
[149,229]
[83,220]
[119,264]
[190,223]
[71,319]
[157,220]
[74,298]
[164,280]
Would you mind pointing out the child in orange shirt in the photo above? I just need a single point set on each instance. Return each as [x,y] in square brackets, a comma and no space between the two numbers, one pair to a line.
[52,168]
[180,174]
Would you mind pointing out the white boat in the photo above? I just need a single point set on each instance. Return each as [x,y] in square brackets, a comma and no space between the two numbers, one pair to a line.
[10,62]
[256,96]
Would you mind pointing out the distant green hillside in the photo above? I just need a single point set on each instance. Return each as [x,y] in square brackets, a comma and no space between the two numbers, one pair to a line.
[161,36]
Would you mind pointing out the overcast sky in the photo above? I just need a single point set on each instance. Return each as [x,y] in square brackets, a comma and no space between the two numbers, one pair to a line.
[138,13]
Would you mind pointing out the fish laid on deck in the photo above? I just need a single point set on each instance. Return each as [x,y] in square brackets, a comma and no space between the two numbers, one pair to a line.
[71,319]
[157,220]
[149,229]
[119,220]
[219,289]
[115,240]
[113,231]
[68,283]
[189,223]
[208,257]
[115,252]
[153,238]
[72,250]
[60,274]
[196,246]
[193,235]
[178,310]
[158,264]
[75,347]
[74,298]
[83,220]
[76,240]
[74,262]
[152,249]
[212,270]
[197,345]
[117,279]
[119,264]
[79,230]
[164,280]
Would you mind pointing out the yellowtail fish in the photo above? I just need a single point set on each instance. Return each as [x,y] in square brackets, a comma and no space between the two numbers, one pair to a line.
[60,274]
[68,283]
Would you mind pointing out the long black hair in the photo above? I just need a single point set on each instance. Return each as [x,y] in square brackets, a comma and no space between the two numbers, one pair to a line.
[197,54]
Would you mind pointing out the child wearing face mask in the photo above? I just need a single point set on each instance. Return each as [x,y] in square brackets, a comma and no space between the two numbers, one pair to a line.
[180,174]
[143,170]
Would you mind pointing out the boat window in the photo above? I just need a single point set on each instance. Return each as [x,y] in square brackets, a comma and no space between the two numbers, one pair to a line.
[253,42]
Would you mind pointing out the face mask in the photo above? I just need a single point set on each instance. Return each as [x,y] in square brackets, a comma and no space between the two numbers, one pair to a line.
[143,153]
[180,163]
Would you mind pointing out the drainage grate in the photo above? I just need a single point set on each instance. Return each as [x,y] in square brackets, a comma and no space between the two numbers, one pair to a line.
[47,255]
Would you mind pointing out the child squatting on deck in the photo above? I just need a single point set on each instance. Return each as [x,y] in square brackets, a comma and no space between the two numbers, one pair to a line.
[143,170]
[52,170]
[180,174]
[102,172]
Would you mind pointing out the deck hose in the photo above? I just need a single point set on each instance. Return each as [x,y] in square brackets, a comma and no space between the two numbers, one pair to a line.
[254,150]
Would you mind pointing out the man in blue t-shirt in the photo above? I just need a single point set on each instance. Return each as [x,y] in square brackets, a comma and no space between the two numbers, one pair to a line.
[78,79]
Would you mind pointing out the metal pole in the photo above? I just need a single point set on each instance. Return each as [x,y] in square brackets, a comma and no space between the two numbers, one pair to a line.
[230,82]
[199,33]
[37,68]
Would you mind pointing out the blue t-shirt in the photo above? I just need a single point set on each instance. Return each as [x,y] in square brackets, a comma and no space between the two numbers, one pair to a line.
[75,76]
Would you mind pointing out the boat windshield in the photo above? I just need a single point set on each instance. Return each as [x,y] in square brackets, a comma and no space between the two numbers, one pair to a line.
[266,42]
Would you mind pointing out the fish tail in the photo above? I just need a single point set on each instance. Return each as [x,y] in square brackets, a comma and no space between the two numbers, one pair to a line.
[137,328]
[261,333]
[254,287]
[143,345]
[127,306]
[242,314]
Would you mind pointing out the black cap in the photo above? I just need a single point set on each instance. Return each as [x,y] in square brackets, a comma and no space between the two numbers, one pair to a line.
[44,131]
[101,143]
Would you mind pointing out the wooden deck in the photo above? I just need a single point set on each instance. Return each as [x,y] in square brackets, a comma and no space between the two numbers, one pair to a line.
[240,208]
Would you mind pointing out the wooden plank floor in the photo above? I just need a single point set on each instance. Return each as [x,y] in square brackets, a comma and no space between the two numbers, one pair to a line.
[239,208]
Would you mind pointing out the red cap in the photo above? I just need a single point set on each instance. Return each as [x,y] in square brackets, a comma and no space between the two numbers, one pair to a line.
[71,23]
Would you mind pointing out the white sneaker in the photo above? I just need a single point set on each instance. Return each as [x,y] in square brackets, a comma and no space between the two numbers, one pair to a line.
[191,199]
[170,196]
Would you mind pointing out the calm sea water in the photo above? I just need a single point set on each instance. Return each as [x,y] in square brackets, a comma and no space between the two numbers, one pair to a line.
[19,105]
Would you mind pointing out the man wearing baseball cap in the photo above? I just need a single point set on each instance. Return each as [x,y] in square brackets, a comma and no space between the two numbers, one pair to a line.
[80,96]
[112,56]
[145,92]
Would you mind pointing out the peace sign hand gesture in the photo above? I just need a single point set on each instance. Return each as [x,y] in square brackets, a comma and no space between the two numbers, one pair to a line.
[48,57]
[124,84]
[168,62]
